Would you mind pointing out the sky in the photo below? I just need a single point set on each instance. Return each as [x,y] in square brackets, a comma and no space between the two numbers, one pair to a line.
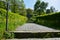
[54,3]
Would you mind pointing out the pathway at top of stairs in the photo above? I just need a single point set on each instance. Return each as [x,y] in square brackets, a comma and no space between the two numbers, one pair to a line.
[32,27]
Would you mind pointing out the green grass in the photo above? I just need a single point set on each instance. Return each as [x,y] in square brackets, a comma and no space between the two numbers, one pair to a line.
[14,20]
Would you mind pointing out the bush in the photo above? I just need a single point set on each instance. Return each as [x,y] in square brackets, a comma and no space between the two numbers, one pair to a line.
[14,20]
[50,20]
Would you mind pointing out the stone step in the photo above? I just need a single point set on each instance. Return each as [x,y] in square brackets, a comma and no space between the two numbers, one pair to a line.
[20,35]
[36,39]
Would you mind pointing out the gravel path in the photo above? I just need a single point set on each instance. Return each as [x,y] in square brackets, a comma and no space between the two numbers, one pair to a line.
[31,27]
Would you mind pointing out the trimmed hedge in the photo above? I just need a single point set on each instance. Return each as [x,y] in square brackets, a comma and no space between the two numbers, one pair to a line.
[49,20]
[14,20]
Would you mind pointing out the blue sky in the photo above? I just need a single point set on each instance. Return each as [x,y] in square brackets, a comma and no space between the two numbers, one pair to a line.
[55,3]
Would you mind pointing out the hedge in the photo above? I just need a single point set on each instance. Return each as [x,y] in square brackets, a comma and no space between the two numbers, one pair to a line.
[14,20]
[49,20]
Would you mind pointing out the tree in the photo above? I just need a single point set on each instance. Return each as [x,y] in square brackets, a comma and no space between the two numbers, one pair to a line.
[48,11]
[43,6]
[36,6]
[18,6]
[40,7]
[52,9]
[15,6]
[29,13]
[3,4]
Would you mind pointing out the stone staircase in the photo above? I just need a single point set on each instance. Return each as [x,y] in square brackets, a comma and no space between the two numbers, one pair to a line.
[36,39]
[31,31]
[21,35]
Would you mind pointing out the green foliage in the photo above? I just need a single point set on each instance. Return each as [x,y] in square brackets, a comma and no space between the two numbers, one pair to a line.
[14,20]
[43,5]
[40,7]
[15,6]
[29,14]
[2,4]
[50,20]
[48,11]
[37,6]
[52,9]
[18,7]
[8,35]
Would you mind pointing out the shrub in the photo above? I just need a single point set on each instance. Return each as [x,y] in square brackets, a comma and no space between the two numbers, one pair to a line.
[14,20]
[51,20]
